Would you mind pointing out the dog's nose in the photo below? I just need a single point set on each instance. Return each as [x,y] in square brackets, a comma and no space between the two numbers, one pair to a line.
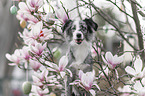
[79,35]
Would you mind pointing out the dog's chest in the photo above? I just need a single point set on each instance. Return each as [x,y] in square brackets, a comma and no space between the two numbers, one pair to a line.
[80,52]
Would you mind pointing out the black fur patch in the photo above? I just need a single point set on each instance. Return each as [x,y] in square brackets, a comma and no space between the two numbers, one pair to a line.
[91,24]
[67,25]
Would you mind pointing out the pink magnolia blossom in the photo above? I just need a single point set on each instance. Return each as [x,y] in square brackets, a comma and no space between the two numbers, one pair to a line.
[27,37]
[25,53]
[86,81]
[137,71]
[14,58]
[38,48]
[61,67]
[34,4]
[34,64]
[61,15]
[24,13]
[40,33]
[62,64]
[37,91]
[41,79]
[112,61]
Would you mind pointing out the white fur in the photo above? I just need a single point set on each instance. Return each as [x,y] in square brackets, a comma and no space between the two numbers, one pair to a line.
[80,53]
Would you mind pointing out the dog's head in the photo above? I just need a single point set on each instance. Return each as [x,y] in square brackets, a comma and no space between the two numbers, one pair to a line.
[78,31]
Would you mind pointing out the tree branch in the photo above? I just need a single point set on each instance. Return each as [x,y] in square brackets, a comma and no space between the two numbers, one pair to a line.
[138,29]
[110,21]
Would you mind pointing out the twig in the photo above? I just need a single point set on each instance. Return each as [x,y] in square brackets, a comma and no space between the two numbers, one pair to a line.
[120,8]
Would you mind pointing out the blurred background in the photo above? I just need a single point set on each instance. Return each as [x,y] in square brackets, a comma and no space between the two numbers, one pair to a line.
[11,78]
[9,27]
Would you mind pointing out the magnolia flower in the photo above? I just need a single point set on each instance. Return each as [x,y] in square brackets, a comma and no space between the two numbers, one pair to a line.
[58,68]
[61,15]
[86,81]
[34,64]
[112,61]
[38,48]
[61,67]
[41,79]
[24,13]
[25,53]
[137,71]
[36,91]
[34,4]
[41,34]
[14,58]
[27,37]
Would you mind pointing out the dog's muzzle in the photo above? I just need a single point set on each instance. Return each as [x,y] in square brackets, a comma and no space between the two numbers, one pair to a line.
[79,39]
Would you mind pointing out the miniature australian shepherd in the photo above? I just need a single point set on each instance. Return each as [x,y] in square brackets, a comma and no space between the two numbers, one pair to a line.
[79,35]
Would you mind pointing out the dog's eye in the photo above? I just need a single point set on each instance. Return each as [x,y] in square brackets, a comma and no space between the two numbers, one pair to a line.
[83,28]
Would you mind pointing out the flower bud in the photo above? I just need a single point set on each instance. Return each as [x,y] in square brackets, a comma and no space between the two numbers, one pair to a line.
[13,9]
[23,24]
[56,53]
[26,87]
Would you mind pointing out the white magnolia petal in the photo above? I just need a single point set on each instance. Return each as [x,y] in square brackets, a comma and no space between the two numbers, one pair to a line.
[92,92]
[8,56]
[109,57]
[97,86]
[130,70]
[35,79]
[80,74]
[143,71]
[63,62]
[138,65]
[138,86]
[104,60]
[73,83]
[12,64]
[23,6]
[143,81]
[116,73]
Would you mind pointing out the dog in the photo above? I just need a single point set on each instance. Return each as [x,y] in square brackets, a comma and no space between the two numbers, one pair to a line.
[79,35]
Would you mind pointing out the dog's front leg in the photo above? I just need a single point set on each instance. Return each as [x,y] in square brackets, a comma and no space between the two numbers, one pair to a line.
[68,88]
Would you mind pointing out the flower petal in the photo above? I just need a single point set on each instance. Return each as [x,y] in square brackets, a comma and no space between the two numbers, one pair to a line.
[138,65]
[97,86]
[92,92]
[63,62]
[104,60]
[80,74]
[109,57]
[130,70]
[143,81]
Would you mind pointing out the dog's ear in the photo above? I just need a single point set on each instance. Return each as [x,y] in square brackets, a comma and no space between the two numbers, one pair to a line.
[91,23]
[66,25]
